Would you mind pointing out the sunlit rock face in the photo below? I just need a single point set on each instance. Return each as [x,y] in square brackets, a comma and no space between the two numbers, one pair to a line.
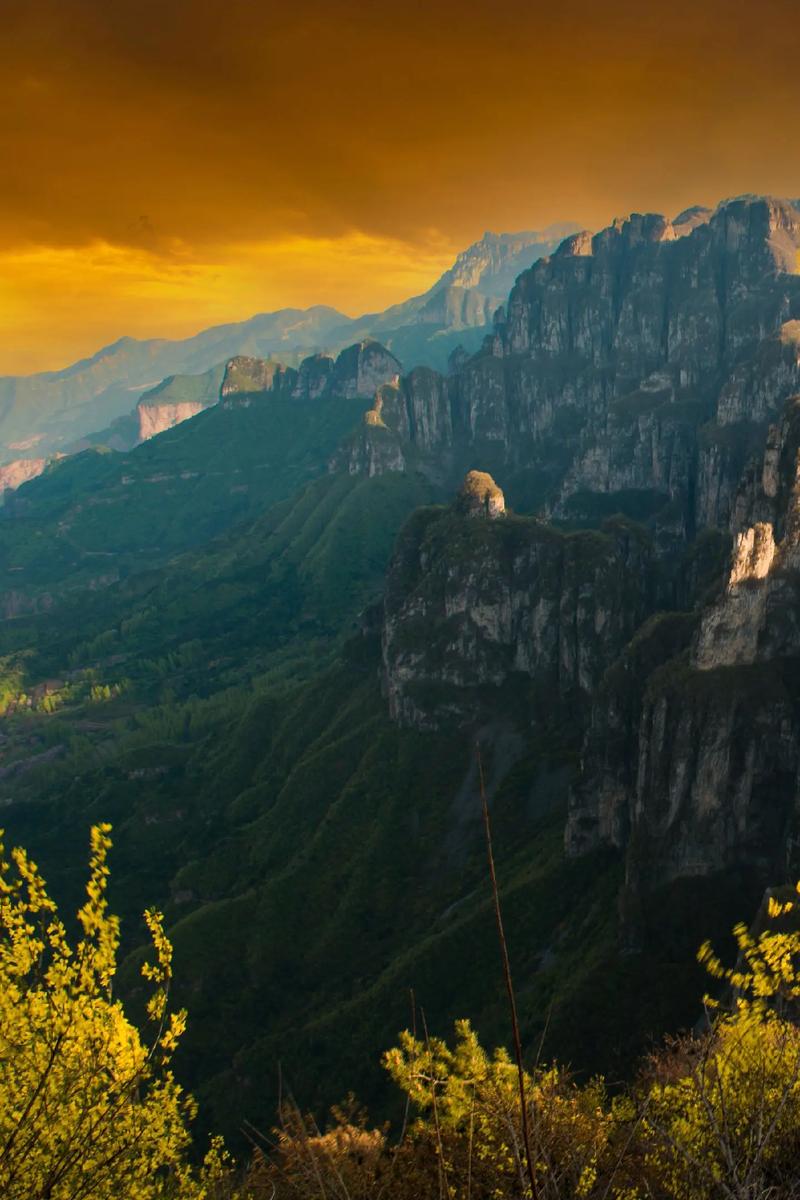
[245,376]
[156,418]
[730,629]
[176,399]
[649,369]
[480,496]
[13,474]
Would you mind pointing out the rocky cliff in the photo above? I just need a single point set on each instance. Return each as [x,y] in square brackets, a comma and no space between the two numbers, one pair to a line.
[636,369]
[56,409]
[692,758]
[20,471]
[650,370]
[608,602]
[359,370]
[476,598]
[176,399]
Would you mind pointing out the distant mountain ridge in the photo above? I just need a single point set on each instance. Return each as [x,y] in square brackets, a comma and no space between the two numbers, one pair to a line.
[42,413]
[50,411]
[467,294]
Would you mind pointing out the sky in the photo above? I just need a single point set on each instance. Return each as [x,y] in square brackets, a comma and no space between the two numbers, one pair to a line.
[170,164]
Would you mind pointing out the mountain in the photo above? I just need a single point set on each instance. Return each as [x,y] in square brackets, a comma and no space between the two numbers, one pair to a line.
[96,517]
[57,410]
[576,548]
[44,412]
[454,312]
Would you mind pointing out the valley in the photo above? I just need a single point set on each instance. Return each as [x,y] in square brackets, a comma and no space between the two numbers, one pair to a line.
[264,642]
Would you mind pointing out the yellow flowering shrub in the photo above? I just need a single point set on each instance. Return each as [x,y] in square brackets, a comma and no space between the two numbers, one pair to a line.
[88,1110]
[722,1114]
[469,1106]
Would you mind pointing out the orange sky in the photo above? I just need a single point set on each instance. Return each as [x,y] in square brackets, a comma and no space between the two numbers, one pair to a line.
[173,163]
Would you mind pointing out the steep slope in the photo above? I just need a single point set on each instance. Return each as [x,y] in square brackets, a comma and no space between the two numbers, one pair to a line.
[472,604]
[315,860]
[176,399]
[633,371]
[708,778]
[455,311]
[93,519]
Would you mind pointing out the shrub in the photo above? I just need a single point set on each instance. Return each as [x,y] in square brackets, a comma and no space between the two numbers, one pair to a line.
[88,1110]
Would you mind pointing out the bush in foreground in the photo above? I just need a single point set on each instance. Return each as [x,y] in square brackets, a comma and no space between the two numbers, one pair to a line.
[88,1109]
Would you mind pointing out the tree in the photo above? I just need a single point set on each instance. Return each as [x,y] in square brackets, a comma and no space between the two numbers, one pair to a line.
[88,1109]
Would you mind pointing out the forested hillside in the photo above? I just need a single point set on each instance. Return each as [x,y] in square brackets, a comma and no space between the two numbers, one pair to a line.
[265,643]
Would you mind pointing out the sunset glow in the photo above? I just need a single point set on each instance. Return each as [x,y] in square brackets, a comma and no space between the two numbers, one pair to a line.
[171,165]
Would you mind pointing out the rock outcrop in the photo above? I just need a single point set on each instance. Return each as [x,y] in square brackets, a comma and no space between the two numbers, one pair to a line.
[473,602]
[480,496]
[176,399]
[20,471]
[650,370]
[156,418]
[357,371]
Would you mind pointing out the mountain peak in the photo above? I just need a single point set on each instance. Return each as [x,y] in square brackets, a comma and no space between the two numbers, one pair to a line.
[493,263]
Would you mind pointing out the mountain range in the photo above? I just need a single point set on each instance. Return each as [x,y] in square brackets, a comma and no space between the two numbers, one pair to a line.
[265,642]
[60,411]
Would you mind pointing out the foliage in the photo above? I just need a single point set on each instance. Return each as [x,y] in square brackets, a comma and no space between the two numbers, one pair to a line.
[346,1161]
[88,1110]
[715,1117]
[722,1115]
[469,1104]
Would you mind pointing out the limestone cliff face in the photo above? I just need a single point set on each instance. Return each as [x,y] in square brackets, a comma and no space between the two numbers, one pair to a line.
[497,259]
[176,399]
[692,760]
[653,369]
[476,597]
[362,368]
[409,415]
[643,364]
[757,619]
[357,371]
[20,471]
[155,418]
[466,296]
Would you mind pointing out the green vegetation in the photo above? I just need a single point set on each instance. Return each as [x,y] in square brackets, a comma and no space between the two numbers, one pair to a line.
[193,657]
[182,389]
[710,1116]
[91,1108]
[313,861]
[100,516]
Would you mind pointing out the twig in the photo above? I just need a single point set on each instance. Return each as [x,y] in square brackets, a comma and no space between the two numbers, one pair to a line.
[414,1035]
[444,1184]
[512,1003]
